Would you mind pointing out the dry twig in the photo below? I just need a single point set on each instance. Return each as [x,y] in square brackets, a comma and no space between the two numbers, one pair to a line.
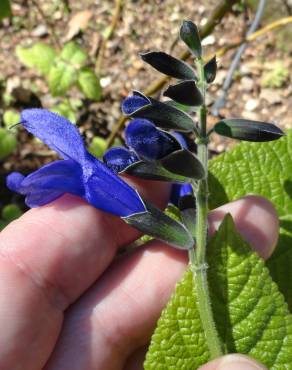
[48,23]
[109,34]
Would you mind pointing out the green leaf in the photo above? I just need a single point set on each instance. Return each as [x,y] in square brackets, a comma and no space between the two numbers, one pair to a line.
[5,9]
[40,56]
[73,54]
[250,314]
[281,261]
[65,109]
[8,143]
[264,169]
[259,168]
[11,212]
[10,118]
[98,146]
[89,84]
[62,76]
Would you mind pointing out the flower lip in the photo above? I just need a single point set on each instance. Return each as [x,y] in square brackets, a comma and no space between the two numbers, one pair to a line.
[55,131]
[80,173]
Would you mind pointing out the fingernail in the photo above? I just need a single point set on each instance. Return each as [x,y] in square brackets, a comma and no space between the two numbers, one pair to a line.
[238,362]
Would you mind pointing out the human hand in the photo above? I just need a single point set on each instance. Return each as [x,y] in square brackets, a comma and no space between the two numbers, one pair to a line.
[65,303]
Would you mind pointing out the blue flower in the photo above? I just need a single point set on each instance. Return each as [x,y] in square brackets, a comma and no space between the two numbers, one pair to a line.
[178,191]
[148,141]
[145,141]
[133,103]
[118,158]
[79,173]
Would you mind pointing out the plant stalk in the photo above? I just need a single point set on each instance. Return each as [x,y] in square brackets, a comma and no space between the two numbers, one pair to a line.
[198,260]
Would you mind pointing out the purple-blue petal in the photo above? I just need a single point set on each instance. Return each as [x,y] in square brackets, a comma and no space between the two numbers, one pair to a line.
[118,158]
[178,191]
[42,197]
[55,131]
[79,174]
[179,137]
[14,180]
[48,183]
[133,103]
[148,141]
[108,192]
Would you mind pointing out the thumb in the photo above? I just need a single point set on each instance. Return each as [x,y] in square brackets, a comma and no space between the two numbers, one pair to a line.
[233,362]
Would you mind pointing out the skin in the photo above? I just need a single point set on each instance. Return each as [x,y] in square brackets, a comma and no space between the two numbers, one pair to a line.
[66,302]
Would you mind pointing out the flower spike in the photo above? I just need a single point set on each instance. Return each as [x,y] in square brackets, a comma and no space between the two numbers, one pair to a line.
[83,175]
[79,174]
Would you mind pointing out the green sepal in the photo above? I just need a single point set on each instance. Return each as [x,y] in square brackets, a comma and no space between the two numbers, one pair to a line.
[185,92]
[247,130]
[169,65]
[187,207]
[210,69]
[182,107]
[153,171]
[187,202]
[184,163]
[164,115]
[189,34]
[155,223]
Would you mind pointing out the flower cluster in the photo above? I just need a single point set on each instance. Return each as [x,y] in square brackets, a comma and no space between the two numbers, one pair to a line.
[146,144]
[79,173]
[154,150]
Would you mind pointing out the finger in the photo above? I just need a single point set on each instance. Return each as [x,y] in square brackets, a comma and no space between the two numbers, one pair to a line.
[47,259]
[233,362]
[119,313]
[256,220]
[55,243]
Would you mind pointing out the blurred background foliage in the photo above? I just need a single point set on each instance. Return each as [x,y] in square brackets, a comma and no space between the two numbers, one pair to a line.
[80,59]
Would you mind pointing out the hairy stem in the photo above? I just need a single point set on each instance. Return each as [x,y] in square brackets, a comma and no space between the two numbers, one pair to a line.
[198,264]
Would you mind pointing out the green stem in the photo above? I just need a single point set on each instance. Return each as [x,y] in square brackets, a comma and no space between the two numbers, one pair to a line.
[198,257]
